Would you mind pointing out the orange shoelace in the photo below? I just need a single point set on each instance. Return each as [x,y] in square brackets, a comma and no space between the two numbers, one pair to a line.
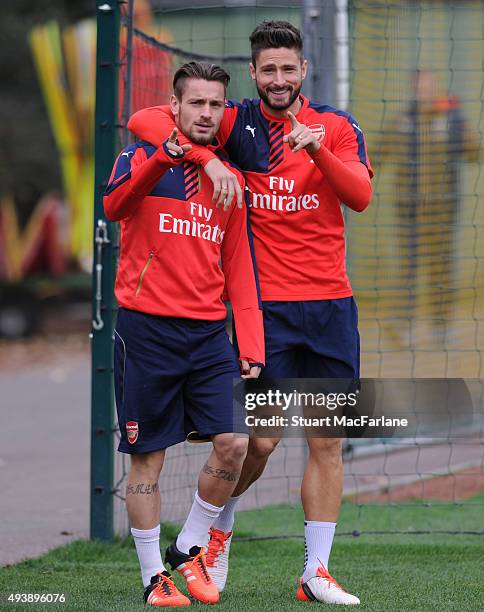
[198,561]
[215,546]
[166,586]
[323,573]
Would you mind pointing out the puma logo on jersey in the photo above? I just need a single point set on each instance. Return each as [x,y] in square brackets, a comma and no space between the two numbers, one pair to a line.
[251,130]
[127,153]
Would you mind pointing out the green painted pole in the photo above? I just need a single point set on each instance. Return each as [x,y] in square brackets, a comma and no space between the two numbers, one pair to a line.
[102,393]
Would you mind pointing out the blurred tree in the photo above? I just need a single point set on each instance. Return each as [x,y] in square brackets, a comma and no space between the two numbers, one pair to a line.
[27,151]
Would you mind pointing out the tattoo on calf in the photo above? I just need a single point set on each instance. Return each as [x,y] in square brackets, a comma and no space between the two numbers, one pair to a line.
[220,473]
[142,489]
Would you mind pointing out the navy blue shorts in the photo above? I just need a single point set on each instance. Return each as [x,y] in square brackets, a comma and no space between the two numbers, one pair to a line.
[173,381]
[312,339]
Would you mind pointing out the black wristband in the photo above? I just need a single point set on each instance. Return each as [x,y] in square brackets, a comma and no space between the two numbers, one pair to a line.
[171,153]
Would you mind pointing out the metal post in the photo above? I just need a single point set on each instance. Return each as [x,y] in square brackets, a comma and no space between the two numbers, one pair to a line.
[102,396]
[128,80]
[319,43]
[342,63]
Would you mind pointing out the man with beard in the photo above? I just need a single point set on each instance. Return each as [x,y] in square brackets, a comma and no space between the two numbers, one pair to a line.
[174,364]
[300,160]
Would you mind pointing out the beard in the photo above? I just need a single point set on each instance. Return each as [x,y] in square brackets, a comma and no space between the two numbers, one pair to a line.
[190,131]
[201,139]
[278,105]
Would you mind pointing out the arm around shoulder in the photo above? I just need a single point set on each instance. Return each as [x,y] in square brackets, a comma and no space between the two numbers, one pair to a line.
[238,263]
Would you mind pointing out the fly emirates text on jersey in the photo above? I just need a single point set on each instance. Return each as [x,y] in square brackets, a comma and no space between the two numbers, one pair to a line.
[197,227]
[281,197]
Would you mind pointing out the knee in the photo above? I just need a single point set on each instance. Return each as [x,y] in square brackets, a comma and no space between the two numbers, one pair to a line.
[148,465]
[231,450]
[326,450]
[261,448]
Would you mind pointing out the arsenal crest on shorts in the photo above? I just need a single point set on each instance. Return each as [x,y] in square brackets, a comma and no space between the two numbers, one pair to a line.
[132,430]
[318,131]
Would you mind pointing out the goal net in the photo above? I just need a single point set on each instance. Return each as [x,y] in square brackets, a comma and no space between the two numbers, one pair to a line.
[411,73]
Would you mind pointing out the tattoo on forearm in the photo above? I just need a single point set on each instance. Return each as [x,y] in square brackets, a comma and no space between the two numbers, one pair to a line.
[142,489]
[220,473]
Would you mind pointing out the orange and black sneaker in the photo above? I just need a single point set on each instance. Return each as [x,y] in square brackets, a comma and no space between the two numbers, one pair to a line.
[163,593]
[193,568]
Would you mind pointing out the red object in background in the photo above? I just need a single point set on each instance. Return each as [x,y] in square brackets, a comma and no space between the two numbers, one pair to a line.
[151,77]
[38,247]
[151,68]
[45,253]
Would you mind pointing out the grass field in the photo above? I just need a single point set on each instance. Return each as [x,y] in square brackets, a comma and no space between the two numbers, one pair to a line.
[388,572]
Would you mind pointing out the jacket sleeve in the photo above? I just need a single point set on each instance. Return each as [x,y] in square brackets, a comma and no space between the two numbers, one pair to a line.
[351,145]
[347,167]
[133,177]
[349,180]
[242,286]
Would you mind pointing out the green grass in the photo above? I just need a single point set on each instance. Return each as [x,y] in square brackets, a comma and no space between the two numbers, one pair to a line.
[388,572]
[413,515]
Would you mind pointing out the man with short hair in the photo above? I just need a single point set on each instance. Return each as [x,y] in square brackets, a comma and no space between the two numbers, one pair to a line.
[174,364]
[301,160]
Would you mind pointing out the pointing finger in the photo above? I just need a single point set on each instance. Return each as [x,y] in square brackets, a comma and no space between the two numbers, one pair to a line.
[173,136]
[294,122]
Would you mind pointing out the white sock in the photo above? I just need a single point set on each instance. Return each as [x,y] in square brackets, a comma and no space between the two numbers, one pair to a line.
[318,539]
[199,520]
[147,542]
[225,521]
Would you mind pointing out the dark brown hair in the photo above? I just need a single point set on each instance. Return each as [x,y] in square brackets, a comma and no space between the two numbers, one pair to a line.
[198,70]
[274,35]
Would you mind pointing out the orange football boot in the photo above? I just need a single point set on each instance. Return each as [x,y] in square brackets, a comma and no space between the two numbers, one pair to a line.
[194,569]
[163,593]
